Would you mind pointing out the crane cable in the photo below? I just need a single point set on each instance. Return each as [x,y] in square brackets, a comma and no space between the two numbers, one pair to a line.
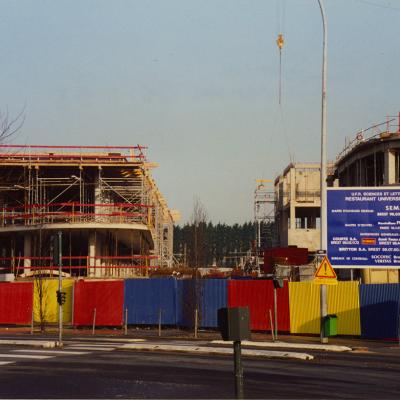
[280,42]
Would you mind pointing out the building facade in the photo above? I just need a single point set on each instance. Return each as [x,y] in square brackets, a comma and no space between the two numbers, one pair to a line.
[297,206]
[113,219]
[371,159]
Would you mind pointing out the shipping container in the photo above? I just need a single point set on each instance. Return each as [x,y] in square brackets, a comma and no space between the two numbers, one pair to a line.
[284,255]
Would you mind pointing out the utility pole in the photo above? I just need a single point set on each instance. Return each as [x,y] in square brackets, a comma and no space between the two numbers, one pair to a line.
[324,307]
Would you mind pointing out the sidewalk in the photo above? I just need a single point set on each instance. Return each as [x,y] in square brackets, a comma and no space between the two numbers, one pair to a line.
[170,334]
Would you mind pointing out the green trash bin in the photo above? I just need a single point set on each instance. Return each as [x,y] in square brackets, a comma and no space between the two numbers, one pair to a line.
[330,325]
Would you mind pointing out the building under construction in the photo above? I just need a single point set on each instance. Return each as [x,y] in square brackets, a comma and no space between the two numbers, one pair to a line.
[114,220]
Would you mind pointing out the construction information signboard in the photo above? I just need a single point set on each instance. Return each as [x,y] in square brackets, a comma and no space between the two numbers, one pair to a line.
[364,227]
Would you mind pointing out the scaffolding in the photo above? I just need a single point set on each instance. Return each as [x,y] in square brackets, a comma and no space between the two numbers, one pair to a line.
[115,221]
[264,208]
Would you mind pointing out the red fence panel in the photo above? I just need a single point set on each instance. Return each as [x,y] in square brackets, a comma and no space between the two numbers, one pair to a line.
[258,295]
[16,301]
[106,297]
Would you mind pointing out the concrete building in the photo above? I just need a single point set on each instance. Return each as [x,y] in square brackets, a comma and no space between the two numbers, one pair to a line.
[297,206]
[114,220]
[372,159]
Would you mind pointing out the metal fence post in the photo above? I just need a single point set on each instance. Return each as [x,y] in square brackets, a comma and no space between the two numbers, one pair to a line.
[159,322]
[126,321]
[196,322]
[94,321]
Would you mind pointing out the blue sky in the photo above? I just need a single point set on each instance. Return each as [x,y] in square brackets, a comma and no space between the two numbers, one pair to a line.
[197,81]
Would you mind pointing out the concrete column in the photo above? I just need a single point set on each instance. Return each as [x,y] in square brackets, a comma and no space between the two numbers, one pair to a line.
[27,252]
[92,253]
[97,251]
[390,167]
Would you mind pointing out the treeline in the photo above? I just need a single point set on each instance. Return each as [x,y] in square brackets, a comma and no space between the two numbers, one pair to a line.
[203,244]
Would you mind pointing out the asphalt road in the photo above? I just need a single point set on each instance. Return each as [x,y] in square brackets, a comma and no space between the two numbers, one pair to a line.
[105,372]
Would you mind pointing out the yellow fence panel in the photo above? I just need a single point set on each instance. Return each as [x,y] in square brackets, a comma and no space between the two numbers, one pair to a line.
[304,304]
[344,301]
[45,306]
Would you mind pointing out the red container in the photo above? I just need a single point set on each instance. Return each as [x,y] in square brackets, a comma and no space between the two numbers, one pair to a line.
[258,295]
[284,255]
[106,297]
[16,302]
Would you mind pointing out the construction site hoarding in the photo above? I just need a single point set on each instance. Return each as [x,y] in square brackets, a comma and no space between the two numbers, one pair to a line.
[189,299]
[364,227]
[305,312]
[16,302]
[258,295]
[214,296]
[380,308]
[98,303]
[45,300]
[150,301]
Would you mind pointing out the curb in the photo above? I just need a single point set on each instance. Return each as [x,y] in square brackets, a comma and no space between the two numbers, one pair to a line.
[35,343]
[217,350]
[325,347]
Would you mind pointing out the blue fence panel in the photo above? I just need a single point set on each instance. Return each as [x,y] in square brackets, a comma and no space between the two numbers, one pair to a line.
[379,312]
[188,295]
[145,297]
[207,295]
[214,296]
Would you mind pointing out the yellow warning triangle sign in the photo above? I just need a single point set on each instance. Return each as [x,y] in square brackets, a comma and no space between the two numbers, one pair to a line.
[325,270]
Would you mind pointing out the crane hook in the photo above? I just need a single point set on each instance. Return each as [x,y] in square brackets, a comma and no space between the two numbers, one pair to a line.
[280,41]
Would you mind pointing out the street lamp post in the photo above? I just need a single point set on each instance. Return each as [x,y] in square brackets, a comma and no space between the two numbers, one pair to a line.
[323,217]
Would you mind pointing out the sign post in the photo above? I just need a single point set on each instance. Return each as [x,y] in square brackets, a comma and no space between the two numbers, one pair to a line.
[324,275]
[234,324]
[57,260]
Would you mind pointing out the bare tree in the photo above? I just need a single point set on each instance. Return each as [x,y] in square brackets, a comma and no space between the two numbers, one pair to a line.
[194,296]
[199,221]
[10,125]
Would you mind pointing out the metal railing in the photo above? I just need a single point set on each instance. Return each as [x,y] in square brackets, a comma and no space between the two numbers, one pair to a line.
[379,130]
[38,214]
[79,265]
[82,154]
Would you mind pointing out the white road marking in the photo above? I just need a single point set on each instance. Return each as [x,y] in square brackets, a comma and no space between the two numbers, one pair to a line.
[54,352]
[121,340]
[25,356]
[6,362]
[93,348]
[94,345]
